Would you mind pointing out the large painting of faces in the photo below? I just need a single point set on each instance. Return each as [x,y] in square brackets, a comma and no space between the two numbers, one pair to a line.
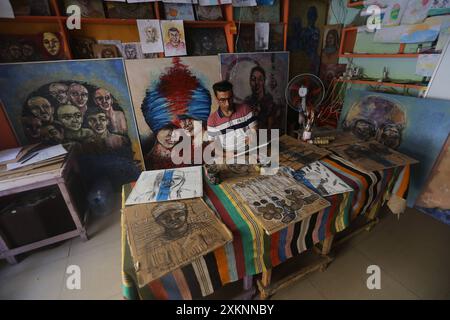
[170,94]
[417,127]
[80,103]
[259,80]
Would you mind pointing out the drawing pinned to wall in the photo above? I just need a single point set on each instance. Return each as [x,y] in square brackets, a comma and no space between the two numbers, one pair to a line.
[150,35]
[262,36]
[169,94]
[85,103]
[320,179]
[278,200]
[173,38]
[168,235]
[259,80]
[403,123]
[165,185]
[179,11]
[205,42]
[209,13]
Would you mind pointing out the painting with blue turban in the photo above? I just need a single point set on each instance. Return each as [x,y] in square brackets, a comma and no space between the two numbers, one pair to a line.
[170,94]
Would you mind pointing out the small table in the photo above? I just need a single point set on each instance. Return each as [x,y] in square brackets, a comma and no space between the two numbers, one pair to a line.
[60,174]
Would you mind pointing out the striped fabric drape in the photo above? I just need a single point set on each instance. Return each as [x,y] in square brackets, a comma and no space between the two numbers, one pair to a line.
[252,250]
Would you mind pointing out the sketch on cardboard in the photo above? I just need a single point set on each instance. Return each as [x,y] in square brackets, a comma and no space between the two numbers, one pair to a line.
[168,235]
[165,185]
[278,200]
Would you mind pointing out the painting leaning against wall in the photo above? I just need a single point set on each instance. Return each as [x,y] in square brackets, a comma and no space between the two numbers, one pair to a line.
[82,103]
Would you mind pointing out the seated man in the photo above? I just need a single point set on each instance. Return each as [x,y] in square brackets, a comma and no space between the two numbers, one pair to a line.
[232,126]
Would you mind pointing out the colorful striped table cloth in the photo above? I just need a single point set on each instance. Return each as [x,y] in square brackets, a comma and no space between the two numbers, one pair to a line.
[252,250]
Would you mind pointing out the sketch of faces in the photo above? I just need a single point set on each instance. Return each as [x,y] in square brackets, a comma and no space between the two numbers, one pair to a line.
[41,109]
[70,116]
[151,34]
[59,92]
[51,43]
[98,123]
[130,51]
[78,95]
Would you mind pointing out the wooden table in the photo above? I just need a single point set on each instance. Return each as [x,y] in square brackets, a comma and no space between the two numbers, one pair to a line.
[61,174]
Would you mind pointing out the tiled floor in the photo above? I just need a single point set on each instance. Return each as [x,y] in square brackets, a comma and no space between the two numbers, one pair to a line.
[412,253]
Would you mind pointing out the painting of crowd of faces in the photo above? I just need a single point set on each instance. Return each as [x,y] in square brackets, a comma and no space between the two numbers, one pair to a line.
[259,80]
[416,127]
[165,236]
[82,103]
[278,200]
[170,94]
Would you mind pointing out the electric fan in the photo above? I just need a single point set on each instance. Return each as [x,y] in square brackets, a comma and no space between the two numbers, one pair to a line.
[304,93]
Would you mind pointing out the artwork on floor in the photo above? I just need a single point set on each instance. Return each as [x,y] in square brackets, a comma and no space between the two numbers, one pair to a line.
[89,8]
[122,10]
[246,40]
[262,30]
[208,13]
[83,47]
[132,50]
[173,38]
[276,37]
[165,185]
[83,103]
[372,156]
[26,48]
[260,13]
[435,195]
[206,41]
[259,80]
[168,235]
[306,21]
[105,51]
[168,94]
[150,36]
[320,179]
[179,11]
[296,154]
[331,43]
[278,200]
[415,126]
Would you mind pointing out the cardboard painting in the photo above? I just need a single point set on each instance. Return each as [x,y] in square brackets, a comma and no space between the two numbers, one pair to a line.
[83,103]
[159,246]
[118,10]
[206,41]
[322,180]
[209,13]
[159,112]
[372,156]
[417,127]
[259,80]
[179,11]
[331,43]
[166,185]
[150,35]
[277,201]
[260,13]
[296,154]
[89,8]
[173,38]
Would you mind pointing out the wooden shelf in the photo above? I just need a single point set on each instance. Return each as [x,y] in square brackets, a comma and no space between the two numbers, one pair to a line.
[31,19]
[368,55]
[357,4]
[386,84]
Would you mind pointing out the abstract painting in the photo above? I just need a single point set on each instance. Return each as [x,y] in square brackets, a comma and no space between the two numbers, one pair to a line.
[82,103]
[169,94]
[206,41]
[165,236]
[173,38]
[278,200]
[372,156]
[166,185]
[416,127]
[296,154]
[259,80]
[320,179]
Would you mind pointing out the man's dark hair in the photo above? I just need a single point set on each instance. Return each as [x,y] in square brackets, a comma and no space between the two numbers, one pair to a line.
[259,69]
[222,86]
[94,111]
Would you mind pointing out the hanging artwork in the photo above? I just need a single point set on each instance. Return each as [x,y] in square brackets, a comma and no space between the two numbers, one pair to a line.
[209,13]
[150,36]
[166,185]
[132,50]
[173,38]
[246,39]
[276,37]
[261,13]
[89,8]
[278,200]
[262,36]
[206,41]
[31,7]
[331,42]
[179,11]
[320,179]
[259,80]
[169,94]
[105,51]
[415,126]
[83,103]
[121,10]
[168,235]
